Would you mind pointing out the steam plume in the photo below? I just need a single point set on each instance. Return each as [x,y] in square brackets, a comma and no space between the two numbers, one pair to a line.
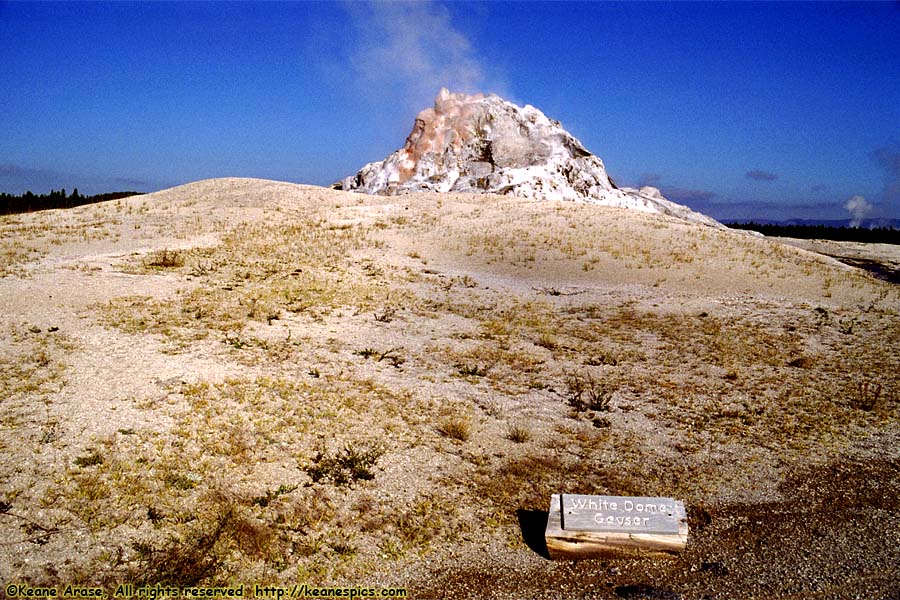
[859,208]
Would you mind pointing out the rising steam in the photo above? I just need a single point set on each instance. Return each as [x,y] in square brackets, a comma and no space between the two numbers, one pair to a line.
[859,208]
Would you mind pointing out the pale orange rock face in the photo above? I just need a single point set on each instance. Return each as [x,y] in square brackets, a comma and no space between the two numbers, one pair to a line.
[449,124]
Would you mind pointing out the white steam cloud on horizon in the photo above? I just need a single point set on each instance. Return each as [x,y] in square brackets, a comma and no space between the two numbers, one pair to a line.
[858,208]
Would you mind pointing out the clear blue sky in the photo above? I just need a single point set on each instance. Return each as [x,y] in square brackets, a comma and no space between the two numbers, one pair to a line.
[767,110]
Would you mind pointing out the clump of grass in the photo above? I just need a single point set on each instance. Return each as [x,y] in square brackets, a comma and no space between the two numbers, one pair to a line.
[164,259]
[802,362]
[180,481]
[548,341]
[518,434]
[345,467]
[457,428]
[428,519]
[471,370]
[586,394]
[235,341]
[386,315]
[468,282]
[603,357]
[189,562]
[868,396]
[847,325]
[391,356]
[270,495]
[90,460]
[343,546]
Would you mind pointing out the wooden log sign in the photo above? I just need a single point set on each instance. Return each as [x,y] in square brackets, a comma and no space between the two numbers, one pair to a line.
[581,526]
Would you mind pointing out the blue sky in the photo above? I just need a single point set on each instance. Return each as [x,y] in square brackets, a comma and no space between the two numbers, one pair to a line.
[765,110]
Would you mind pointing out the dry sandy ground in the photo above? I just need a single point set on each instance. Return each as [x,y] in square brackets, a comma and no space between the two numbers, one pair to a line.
[243,381]
[882,260]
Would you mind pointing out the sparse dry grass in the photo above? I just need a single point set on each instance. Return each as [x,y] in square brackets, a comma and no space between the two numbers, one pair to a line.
[518,434]
[164,259]
[346,413]
[456,428]
[258,273]
[31,362]
[213,497]
[32,371]
[27,238]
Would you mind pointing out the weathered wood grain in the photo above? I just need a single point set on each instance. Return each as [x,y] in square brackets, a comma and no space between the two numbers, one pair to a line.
[620,514]
[571,543]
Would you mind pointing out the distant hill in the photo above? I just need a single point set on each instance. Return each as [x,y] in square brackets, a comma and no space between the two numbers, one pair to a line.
[28,202]
[877,231]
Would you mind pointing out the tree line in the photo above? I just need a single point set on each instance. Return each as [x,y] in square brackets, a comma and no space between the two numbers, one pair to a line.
[11,204]
[873,235]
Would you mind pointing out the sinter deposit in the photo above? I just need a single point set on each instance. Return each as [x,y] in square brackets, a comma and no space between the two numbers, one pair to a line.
[484,144]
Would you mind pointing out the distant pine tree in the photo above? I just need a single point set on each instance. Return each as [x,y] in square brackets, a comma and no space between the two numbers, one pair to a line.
[29,201]
[873,235]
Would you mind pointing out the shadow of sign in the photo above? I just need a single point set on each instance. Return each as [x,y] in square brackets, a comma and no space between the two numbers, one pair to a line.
[533,524]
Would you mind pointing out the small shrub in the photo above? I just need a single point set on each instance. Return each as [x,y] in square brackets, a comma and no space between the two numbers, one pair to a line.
[92,459]
[387,315]
[471,370]
[457,428]
[802,362]
[270,495]
[180,481]
[345,467]
[868,396]
[154,515]
[188,562]
[585,394]
[601,422]
[604,357]
[547,341]
[518,434]
[235,342]
[391,356]
[343,546]
[468,282]
[846,325]
[164,259]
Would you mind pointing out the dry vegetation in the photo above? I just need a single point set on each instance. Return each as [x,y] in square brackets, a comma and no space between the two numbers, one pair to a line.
[264,382]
